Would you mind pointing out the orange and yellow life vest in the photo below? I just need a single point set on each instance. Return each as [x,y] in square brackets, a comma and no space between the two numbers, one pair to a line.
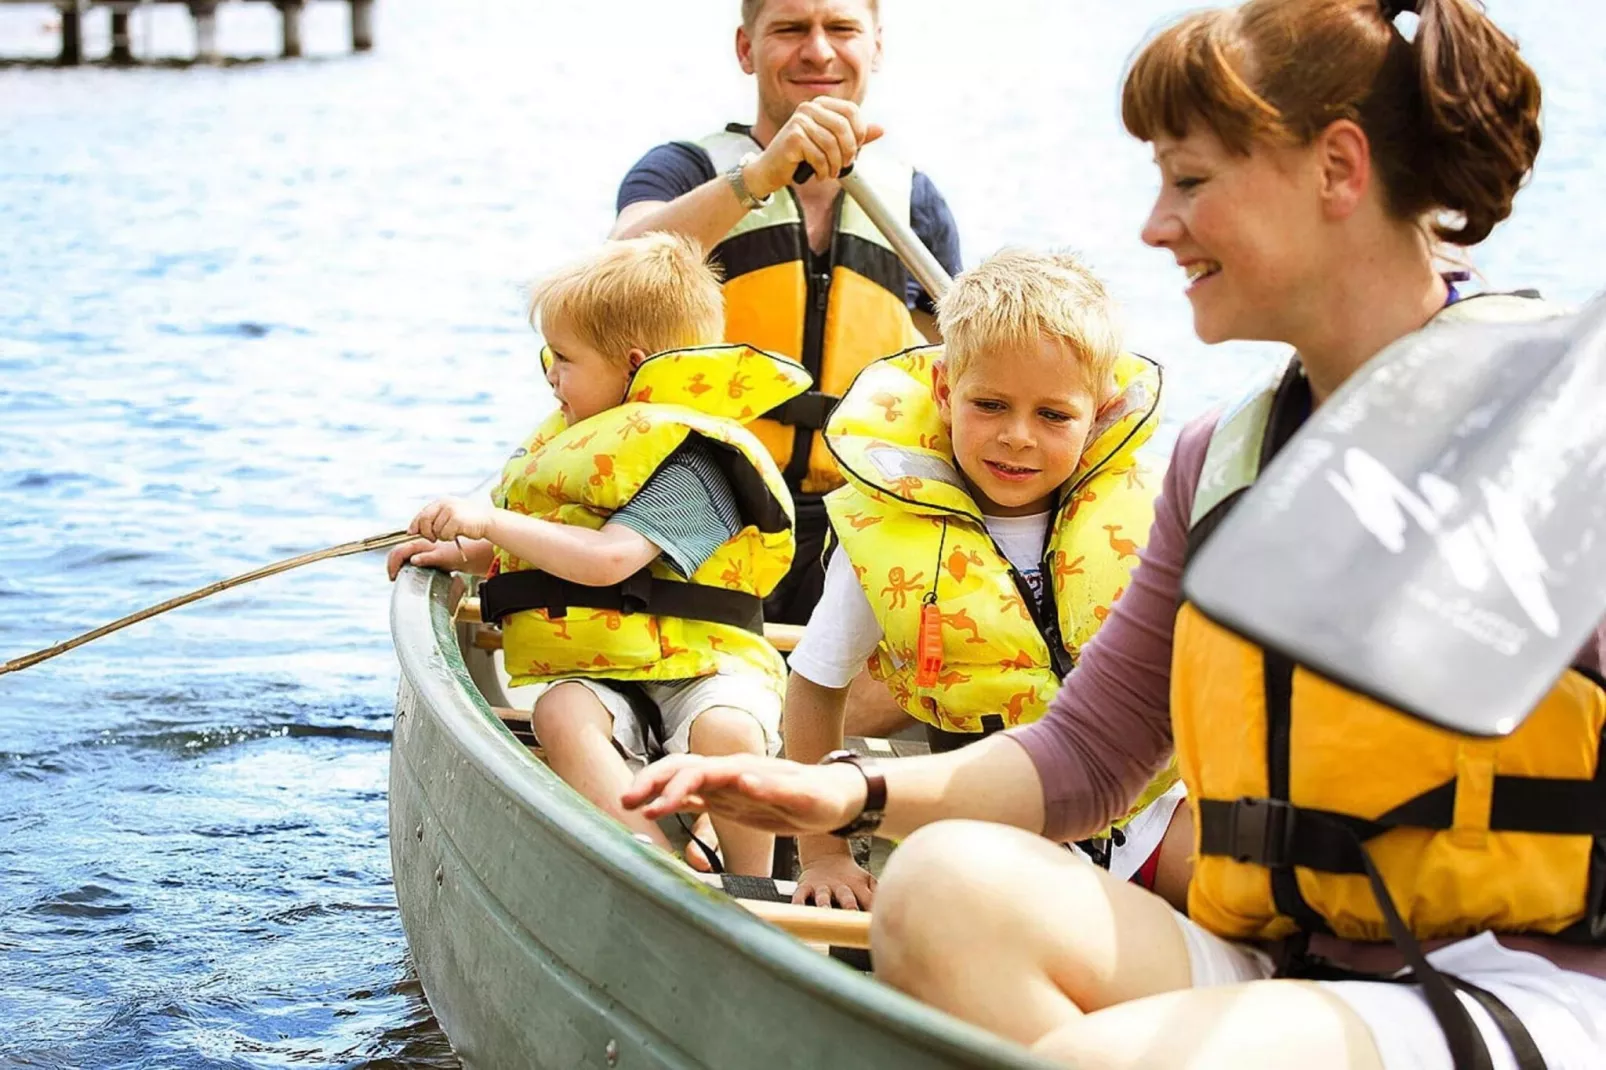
[914,533]
[833,323]
[582,474]
[1299,783]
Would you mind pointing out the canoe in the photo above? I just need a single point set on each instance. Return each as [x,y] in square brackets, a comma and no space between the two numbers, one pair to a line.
[544,935]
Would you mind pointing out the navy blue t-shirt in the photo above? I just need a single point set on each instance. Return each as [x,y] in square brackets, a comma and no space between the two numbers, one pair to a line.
[676,168]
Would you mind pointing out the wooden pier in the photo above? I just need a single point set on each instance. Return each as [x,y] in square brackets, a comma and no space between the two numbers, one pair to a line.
[204,12]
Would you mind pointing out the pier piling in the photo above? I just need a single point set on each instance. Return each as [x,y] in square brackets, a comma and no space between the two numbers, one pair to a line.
[290,17]
[122,40]
[362,25]
[72,35]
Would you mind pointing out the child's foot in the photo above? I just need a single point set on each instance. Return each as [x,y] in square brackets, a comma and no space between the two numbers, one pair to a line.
[702,830]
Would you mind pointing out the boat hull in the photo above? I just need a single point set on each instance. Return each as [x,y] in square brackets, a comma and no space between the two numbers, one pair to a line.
[545,936]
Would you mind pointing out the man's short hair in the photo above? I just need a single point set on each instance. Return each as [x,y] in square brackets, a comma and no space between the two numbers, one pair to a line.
[751,8]
[653,293]
[1017,297]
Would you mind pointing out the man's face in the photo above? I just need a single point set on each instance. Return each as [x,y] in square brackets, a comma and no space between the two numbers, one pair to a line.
[802,49]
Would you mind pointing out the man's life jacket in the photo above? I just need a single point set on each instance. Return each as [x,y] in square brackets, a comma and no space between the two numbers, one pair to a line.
[834,320]
[656,625]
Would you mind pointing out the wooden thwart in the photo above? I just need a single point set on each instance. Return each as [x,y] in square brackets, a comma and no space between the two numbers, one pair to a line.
[814,925]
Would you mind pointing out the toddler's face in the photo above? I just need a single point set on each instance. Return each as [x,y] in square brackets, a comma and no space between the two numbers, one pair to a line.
[584,380]
[1019,420]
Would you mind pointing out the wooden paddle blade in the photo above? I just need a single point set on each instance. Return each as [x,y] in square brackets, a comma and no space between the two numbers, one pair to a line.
[1434,537]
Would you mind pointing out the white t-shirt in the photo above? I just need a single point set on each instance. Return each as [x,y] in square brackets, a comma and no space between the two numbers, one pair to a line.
[842,632]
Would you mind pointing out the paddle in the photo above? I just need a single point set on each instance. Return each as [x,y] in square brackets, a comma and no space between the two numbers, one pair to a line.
[926,269]
[1434,537]
[373,542]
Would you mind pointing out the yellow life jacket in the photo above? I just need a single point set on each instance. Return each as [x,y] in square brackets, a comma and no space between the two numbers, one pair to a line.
[1291,774]
[834,323]
[914,534]
[657,625]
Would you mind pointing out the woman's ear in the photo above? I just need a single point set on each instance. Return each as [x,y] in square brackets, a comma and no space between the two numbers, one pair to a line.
[1344,156]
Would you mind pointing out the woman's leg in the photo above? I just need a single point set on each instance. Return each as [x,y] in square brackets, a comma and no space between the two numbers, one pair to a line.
[1262,1024]
[1017,934]
[726,730]
[576,731]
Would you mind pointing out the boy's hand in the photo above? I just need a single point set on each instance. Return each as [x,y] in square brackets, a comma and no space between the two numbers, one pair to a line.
[826,133]
[768,794]
[452,518]
[427,553]
[838,878]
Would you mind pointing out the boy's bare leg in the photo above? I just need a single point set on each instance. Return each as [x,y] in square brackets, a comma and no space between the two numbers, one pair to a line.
[726,730]
[576,731]
[871,710]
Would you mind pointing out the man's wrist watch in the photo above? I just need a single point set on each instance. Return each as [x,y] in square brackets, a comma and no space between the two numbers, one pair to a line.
[739,184]
[875,794]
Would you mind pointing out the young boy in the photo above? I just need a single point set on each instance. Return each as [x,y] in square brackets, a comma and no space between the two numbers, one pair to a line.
[634,535]
[993,512]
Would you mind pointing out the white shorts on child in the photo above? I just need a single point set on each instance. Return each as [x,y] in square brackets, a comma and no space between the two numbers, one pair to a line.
[679,702]
[1565,1011]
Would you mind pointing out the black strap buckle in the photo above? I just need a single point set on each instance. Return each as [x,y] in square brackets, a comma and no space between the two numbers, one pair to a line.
[1261,831]
[808,410]
[635,593]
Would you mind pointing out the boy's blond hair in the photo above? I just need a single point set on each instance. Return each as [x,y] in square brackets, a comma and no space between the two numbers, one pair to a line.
[653,293]
[1016,297]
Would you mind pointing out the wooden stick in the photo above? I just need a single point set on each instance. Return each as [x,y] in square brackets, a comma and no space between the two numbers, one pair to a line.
[373,542]
[814,925]
[781,636]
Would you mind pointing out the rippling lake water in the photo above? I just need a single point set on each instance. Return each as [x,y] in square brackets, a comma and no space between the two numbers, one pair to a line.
[253,310]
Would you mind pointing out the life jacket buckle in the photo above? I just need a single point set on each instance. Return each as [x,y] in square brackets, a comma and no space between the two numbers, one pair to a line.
[635,593]
[1261,831]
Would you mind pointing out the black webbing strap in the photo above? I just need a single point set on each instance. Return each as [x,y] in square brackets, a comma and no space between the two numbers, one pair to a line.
[1521,1042]
[514,592]
[810,410]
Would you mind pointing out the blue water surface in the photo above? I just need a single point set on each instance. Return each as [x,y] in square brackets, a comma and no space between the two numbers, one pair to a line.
[251,310]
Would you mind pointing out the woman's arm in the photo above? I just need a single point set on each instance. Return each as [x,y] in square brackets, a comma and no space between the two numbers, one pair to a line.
[1106,734]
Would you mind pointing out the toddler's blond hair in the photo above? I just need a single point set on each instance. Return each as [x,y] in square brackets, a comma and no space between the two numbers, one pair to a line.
[653,293]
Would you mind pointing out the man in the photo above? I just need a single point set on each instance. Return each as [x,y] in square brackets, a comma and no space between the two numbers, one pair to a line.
[806,273]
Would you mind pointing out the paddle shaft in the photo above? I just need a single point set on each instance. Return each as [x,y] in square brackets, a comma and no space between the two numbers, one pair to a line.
[373,542]
[928,272]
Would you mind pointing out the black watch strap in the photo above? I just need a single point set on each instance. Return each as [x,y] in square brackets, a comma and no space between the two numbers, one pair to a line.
[875,794]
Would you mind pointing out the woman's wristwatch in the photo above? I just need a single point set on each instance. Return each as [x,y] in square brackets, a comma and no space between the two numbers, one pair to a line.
[875,794]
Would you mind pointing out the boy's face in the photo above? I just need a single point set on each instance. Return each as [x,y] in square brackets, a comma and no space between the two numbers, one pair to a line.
[1019,419]
[584,380]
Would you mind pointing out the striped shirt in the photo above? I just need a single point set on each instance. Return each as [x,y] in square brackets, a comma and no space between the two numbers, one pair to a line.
[687,508]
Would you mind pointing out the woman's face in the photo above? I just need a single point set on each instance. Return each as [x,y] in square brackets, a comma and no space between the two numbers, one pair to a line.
[1247,231]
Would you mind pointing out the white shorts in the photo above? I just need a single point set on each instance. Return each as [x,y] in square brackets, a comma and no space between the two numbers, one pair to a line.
[679,703]
[1563,1010]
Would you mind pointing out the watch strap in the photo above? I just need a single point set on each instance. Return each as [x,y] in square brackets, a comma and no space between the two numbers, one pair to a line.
[875,794]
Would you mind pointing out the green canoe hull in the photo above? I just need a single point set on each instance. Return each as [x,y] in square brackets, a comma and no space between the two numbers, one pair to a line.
[545,936]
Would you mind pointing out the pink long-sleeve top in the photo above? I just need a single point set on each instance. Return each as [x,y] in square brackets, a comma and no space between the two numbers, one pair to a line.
[1108,730]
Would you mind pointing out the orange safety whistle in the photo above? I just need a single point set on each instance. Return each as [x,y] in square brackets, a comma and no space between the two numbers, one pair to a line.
[928,652]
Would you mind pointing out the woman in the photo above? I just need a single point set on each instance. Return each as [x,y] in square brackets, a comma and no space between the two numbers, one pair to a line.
[1311,157]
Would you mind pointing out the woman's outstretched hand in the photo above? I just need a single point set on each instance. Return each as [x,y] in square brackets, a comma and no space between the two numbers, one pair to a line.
[770,794]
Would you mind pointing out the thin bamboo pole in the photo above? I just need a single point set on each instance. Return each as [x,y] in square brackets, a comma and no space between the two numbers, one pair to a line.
[373,542]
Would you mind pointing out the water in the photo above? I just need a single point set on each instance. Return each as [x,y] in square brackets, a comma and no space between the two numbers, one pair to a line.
[250,311]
